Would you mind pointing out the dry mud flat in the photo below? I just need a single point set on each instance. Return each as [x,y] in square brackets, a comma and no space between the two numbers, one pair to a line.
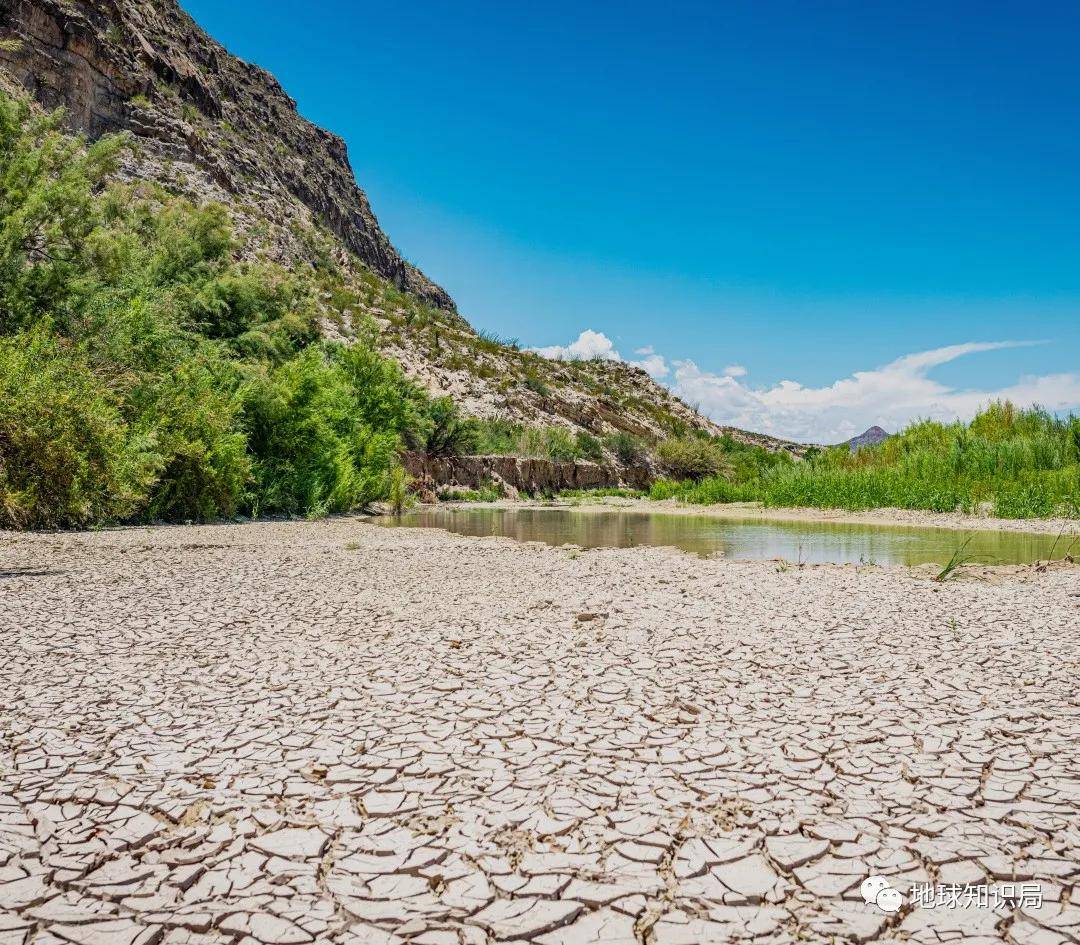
[296,732]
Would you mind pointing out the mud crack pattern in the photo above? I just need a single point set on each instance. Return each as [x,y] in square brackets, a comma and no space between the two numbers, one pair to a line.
[328,732]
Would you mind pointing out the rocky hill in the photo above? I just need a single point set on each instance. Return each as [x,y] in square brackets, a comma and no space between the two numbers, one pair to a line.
[224,124]
[870,437]
[212,127]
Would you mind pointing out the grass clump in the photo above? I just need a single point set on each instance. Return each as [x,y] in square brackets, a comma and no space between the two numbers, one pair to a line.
[603,492]
[487,492]
[957,560]
[1018,463]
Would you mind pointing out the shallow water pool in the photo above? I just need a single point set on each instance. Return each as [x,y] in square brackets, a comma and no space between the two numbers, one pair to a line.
[756,538]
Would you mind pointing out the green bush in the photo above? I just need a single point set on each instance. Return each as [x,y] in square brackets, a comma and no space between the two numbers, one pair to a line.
[313,450]
[691,457]
[67,457]
[589,447]
[203,467]
[47,208]
[628,449]
[447,432]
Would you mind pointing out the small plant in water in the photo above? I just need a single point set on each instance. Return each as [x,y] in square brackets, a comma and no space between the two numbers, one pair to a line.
[1067,555]
[959,558]
[397,490]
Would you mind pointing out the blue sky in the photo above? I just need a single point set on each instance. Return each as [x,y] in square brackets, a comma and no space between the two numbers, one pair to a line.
[803,190]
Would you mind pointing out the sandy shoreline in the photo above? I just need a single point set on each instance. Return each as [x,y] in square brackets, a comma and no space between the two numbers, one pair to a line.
[912,518]
[336,732]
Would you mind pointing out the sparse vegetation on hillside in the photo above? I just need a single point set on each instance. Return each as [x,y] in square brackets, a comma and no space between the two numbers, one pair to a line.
[1018,463]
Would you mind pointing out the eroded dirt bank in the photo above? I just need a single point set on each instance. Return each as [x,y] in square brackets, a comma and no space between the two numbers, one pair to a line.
[294,732]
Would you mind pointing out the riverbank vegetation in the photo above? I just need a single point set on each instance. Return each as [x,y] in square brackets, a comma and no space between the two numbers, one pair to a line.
[1016,463]
[146,374]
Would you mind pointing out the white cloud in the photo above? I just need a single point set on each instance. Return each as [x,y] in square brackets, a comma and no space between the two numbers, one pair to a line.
[654,365]
[595,344]
[890,396]
[589,344]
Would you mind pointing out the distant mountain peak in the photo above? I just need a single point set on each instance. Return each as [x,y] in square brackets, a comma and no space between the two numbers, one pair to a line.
[869,437]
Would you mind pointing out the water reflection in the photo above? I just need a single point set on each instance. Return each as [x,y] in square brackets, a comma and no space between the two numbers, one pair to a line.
[810,542]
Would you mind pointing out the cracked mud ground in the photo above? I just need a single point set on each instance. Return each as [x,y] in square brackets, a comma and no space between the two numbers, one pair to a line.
[297,732]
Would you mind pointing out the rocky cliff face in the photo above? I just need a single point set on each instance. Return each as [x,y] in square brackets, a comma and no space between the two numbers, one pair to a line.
[145,66]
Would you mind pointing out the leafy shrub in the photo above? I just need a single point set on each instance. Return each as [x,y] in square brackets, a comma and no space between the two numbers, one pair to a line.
[314,451]
[589,447]
[47,208]
[628,449]
[397,490]
[448,433]
[203,467]
[67,457]
[691,458]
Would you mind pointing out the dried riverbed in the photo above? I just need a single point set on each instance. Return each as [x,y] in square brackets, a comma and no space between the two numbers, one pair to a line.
[287,732]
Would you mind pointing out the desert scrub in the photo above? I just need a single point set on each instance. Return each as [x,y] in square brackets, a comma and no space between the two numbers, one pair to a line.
[628,449]
[589,447]
[447,432]
[536,384]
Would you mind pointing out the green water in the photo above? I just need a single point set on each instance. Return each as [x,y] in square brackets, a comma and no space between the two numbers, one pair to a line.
[809,542]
